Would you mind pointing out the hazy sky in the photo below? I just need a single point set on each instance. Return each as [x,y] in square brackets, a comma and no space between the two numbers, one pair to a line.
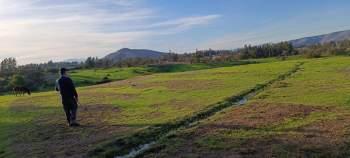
[40,30]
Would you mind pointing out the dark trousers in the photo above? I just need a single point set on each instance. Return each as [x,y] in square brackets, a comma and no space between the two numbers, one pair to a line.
[70,106]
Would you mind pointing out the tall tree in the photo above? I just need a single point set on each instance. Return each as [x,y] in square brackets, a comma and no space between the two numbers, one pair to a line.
[18,81]
[8,67]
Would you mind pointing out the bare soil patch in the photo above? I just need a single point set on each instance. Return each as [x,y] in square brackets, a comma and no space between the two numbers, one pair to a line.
[262,114]
[49,136]
[324,138]
[23,104]
[181,84]
[192,84]
[107,96]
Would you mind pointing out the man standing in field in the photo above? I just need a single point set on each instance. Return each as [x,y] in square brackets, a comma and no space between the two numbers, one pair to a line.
[69,97]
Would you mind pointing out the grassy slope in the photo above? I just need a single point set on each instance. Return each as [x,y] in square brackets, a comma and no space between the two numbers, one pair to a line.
[324,81]
[121,108]
[94,76]
[306,115]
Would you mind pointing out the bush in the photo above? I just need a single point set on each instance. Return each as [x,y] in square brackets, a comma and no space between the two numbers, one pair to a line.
[53,70]
[17,81]
[343,53]
[104,80]
[313,55]
[308,53]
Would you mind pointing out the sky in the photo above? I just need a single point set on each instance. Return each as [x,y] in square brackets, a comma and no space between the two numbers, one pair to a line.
[35,31]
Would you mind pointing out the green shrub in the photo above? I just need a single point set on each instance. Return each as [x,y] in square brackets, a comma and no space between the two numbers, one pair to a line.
[105,80]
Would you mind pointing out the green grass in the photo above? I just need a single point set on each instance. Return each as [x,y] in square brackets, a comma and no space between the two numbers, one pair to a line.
[303,115]
[193,67]
[275,59]
[95,76]
[172,92]
[323,81]
[11,119]
[143,101]
[86,77]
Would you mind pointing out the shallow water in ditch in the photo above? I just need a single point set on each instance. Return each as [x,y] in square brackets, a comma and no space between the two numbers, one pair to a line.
[145,147]
[137,151]
[142,148]
[243,101]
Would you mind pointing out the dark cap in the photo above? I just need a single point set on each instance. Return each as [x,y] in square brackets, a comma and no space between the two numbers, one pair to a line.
[63,71]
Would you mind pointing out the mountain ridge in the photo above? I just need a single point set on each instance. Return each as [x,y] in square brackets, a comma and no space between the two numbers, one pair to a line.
[127,53]
[319,39]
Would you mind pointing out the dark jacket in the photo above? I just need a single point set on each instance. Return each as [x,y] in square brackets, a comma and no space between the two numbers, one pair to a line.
[66,87]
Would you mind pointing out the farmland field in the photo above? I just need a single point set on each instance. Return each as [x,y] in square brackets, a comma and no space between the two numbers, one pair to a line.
[87,77]
[306,115]
[34,126]
[174,79]
[95,76]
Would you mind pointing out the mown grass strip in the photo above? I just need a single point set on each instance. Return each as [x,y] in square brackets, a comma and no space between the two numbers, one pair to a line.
[126,144]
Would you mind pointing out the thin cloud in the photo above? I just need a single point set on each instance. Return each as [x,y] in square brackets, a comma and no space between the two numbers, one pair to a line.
[124,2]
[182,24]
[187,21]
[41,30]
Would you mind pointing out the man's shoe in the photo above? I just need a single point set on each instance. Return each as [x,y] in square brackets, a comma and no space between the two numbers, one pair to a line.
[74,123]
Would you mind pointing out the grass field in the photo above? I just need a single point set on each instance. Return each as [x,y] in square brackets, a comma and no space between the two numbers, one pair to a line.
[34,126]
[306,115]
[88,77]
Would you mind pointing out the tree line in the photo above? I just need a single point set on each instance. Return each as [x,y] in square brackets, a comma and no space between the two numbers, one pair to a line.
[42,76]
[326,49]
[34,76]
[282,49]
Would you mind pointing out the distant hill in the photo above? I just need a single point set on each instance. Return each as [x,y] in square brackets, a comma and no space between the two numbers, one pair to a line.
[308,41]
[127,53]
